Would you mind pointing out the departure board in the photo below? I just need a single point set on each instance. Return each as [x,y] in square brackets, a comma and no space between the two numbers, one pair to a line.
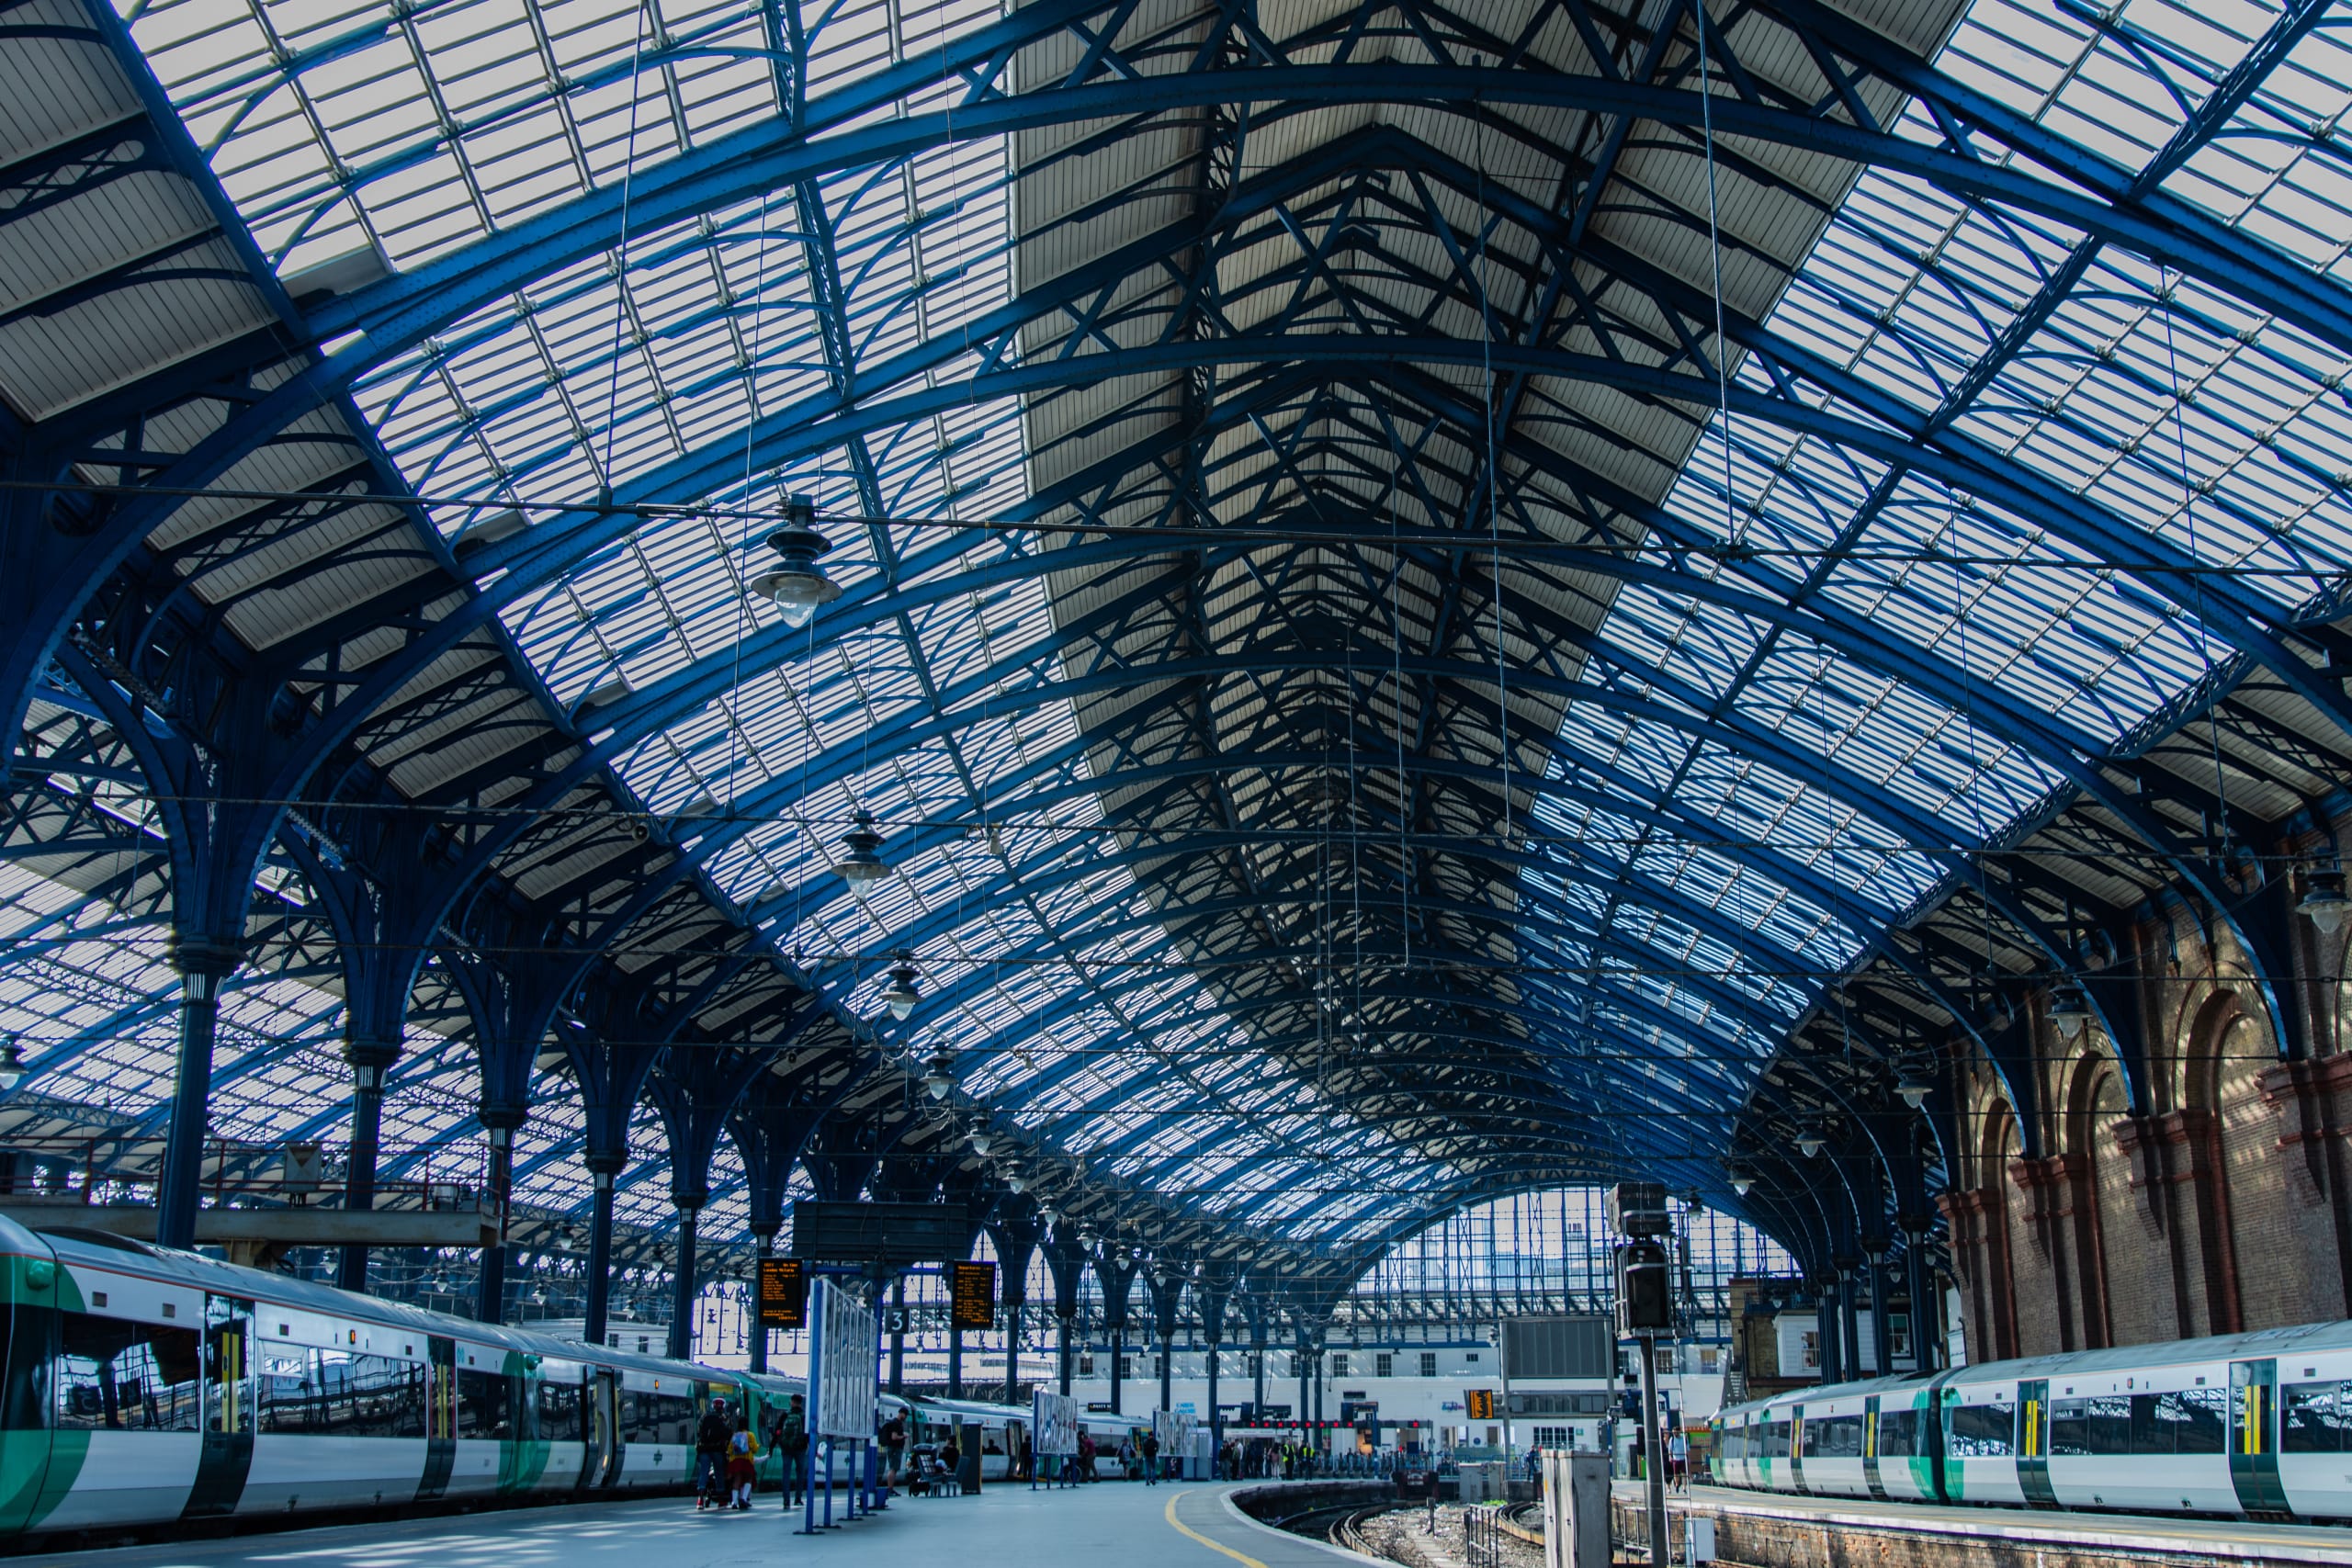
[784,1294]
[972,1296]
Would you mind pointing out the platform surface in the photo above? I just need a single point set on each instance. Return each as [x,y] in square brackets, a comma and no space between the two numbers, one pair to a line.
[2237,1538]
[1119,1524]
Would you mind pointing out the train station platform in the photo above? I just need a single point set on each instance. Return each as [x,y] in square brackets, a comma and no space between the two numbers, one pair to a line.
[1118,1524]
[1761,1528]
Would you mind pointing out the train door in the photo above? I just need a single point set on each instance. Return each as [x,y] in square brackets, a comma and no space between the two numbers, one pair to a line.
[2033,1443]
[1869,1448]
[592,1458]
[1796,1448]
[2253,1445]
[440,1417]
[227,1455]
[604,1429]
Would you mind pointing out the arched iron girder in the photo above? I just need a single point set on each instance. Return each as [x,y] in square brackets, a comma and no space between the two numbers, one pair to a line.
[1913,828]
[391,316]
[1942,684]
[1541,1022]
[1280,893]
[2108,537]
[1704,922]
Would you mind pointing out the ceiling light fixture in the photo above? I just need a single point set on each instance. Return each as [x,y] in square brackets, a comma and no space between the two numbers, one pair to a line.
[902,994]
[864,862]
[2323,903]
[12,1065]
[940,1076]
[798,584]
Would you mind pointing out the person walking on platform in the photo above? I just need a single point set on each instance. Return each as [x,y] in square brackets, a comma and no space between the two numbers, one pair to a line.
[894,1450]
[792,1444]
[1151,1458]
[711,1454]
[742,1465]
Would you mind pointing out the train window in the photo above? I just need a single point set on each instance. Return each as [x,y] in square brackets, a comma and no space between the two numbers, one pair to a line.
[1895,1429]
[286,1393]
[656,1418]
[1981,1431]
[2100,1424]
[1833,1436]
[484,1404]
[2192,1421]
[2311,1418]
[560,1407]
[122,1376]
[368,1396]
[1776,1439]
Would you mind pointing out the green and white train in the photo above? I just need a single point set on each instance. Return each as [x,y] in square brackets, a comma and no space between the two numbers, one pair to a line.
[142,1386]
[2254,1425]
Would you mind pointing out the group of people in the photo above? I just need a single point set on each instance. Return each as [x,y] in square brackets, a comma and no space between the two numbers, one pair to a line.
[727,1454]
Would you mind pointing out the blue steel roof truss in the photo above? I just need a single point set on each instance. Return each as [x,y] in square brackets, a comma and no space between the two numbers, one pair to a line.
[1672,690]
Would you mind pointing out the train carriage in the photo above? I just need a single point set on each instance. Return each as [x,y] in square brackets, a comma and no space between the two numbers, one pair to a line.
[2252,1425]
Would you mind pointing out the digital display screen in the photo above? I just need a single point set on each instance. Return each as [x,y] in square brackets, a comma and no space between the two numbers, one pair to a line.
[972,1296]
[782,1293]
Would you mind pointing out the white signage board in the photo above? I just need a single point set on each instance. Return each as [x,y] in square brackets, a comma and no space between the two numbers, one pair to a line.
[1055,1421]
[843,1372]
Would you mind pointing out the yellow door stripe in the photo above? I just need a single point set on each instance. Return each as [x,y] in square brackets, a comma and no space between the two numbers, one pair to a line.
[1184,1529]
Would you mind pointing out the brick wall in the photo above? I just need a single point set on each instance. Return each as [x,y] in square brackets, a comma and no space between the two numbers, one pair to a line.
[2205,1190]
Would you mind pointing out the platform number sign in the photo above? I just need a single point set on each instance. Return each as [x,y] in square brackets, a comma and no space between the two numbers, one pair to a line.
[1478,1403]
[971,1302]
[784,1294]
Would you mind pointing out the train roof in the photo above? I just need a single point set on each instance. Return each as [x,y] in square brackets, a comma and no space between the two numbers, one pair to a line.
[2256,1346]
[1903,1382]
[103,1249]
[2261,1344]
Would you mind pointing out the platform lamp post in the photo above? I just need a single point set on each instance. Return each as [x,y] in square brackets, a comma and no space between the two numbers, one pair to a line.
[1637,1211]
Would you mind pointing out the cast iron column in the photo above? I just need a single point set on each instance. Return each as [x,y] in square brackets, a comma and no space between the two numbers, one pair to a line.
[601,1171]
[203,966]
[682,1300]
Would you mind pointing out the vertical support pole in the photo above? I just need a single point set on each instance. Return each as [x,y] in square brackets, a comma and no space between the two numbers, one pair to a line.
[1061,1356]
[1927,1352]
[682,1300]
[1848,1322]
[490,1297]
[369,1059]
[1502,1366]
[1167,1369]
[955,1361]
[1012,1352]
[1882,1325]
[1304,1363]
[815,1407]
[1825,1320]
[898,1336]
[1652,1449]
[600,1252]
[1118,1356]
[1216,1426]
[203,966]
